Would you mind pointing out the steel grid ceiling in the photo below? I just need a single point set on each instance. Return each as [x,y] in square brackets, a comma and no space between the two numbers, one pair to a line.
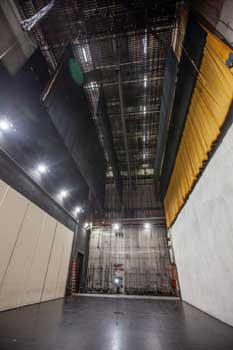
[108,36]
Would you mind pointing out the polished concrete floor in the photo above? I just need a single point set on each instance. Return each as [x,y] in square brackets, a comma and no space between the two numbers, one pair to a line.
[90,323]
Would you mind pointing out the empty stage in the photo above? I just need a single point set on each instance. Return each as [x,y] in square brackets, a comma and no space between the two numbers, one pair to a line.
[91,323]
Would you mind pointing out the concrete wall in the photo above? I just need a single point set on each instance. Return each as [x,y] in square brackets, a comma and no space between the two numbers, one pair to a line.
[203,237]
[34,252]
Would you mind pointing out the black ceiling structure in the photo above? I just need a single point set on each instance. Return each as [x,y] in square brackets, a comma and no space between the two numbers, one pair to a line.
[121,48]
[67,105]
[32,140]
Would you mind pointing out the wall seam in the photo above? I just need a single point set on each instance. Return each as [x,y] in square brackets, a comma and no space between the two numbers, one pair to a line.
[33,258]
[46,273]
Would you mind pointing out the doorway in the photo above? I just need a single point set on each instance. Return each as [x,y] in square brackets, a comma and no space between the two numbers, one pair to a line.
[79,272]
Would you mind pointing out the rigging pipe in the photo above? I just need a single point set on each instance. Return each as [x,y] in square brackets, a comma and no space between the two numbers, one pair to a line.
[131,221]
[118,72]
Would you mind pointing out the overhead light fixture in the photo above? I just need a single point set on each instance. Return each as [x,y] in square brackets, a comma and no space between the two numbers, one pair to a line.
[63,194]
[116,280]
[116,226]
[145,82]
[86,225]
[84,54]
[77,210]
[144,109]
[147,226]
[5,125]
[42,168]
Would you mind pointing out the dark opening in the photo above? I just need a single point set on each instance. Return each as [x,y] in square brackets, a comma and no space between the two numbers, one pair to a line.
[79,272]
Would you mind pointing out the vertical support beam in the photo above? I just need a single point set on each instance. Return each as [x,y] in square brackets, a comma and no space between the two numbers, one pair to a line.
[108,142]
[122,113]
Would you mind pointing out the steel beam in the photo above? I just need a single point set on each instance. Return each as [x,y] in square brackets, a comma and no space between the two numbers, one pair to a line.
[123,123]
[108,142]
[133,81]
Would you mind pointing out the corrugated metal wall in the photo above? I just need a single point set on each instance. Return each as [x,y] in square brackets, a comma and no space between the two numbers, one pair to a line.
[139,254]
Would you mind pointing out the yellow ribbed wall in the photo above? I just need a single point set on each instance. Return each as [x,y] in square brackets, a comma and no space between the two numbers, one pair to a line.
[210,103]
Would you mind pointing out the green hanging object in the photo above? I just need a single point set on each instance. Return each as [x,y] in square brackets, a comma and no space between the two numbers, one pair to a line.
[76,71]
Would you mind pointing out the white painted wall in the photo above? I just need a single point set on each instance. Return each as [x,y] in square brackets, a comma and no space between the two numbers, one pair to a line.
[203,237]
[35,251]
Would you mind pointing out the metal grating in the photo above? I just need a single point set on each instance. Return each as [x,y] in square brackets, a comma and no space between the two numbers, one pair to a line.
[108,36]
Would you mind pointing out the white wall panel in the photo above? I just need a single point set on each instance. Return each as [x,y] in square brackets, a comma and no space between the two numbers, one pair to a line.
[35,252]
[3,191]
[54,265]
[203,237]
[36,277]
[12,210]
[62,278]
[13,288]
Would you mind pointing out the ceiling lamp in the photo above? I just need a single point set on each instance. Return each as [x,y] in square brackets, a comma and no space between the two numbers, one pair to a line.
[63,194]
[116,226]
[5,125]
[42,168]
[86,225]
[77,211]
[147,226]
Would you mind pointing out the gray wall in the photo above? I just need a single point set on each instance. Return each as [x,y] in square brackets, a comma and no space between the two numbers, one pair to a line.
[35,251]
[202,237]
